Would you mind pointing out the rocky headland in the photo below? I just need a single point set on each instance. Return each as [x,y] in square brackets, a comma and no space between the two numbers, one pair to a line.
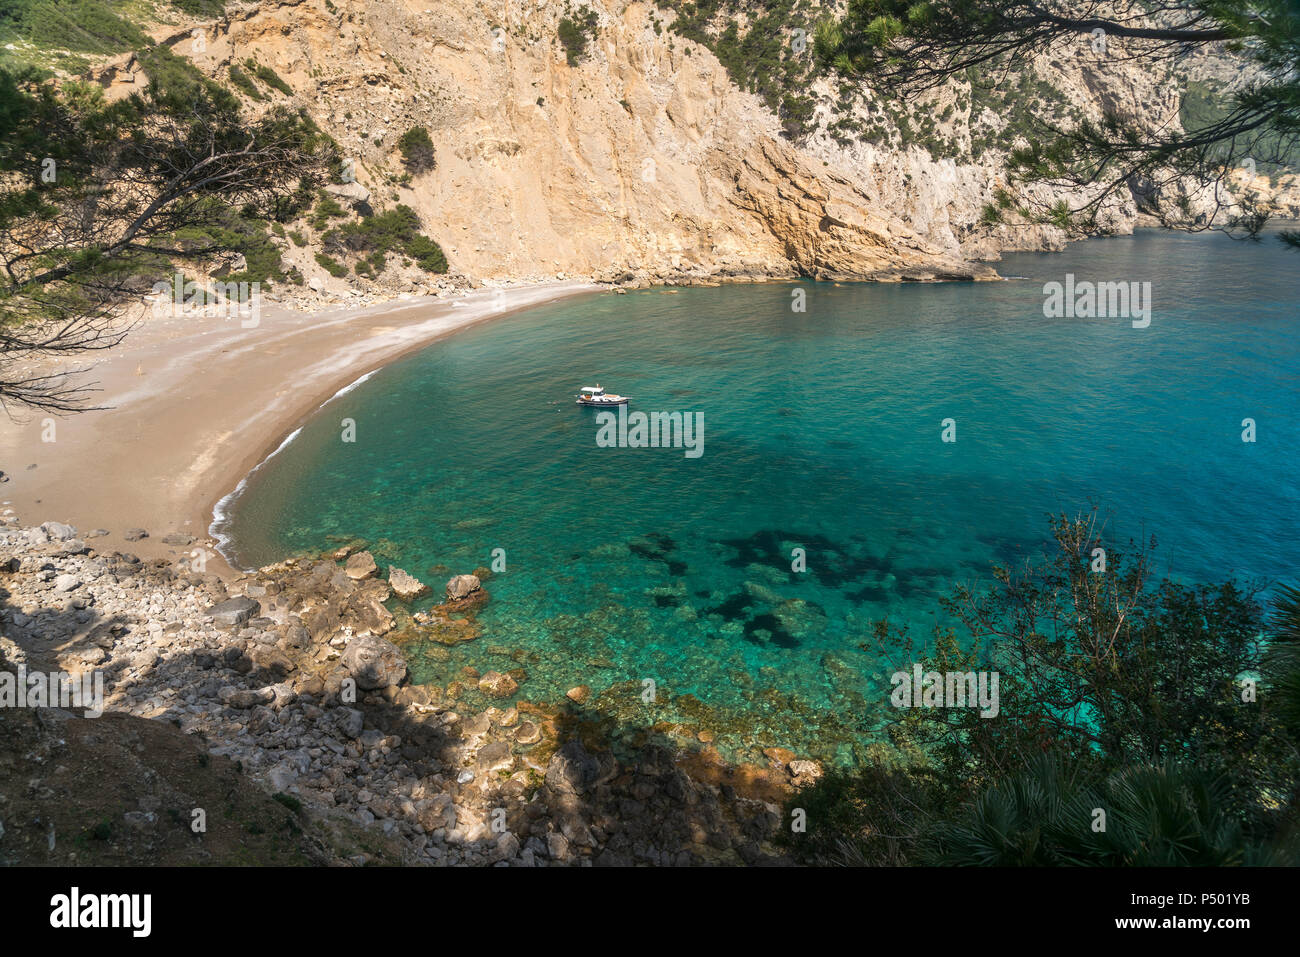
[295,676]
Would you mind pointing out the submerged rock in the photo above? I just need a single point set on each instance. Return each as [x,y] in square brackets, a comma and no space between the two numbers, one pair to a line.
[781,757]
[805,771]
[406,586]
[498,685]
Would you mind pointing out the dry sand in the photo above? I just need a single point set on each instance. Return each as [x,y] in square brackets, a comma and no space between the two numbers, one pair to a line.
[197,403]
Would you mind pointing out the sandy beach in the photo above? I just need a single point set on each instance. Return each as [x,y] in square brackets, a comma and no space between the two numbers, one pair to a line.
[193,404]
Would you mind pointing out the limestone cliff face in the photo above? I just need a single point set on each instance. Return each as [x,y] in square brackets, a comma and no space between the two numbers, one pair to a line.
[642,161]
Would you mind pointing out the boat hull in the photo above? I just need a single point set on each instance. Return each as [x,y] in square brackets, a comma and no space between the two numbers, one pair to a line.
[603,404]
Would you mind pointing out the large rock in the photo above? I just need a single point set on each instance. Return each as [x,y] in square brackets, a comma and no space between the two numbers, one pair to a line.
[349,721]
[374,663]
[353,192]
[462,586]
[571,769]
[365,610]
[58,532]
[494,756]
[233,612]
[361,565]
[36,535]
[249,698]
[406,587]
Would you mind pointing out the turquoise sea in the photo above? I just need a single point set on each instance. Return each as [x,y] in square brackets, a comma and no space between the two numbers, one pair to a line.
[823,431]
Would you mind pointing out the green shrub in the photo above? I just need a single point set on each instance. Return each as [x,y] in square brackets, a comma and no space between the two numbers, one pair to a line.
[427,254]
[1164,815]
[268,76]
[243,83]
[760,56]
[334,268]
[200,8]
[233,230]
[178,84]
[417,150]
[575,32]
[327,208]
[89,26]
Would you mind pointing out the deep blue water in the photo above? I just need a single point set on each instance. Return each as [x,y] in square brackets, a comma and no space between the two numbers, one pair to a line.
[822,430]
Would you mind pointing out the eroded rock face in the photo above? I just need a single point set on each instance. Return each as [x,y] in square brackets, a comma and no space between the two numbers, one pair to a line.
[406,586]
[374,662]
[645,159]
[645,162]
[365,609]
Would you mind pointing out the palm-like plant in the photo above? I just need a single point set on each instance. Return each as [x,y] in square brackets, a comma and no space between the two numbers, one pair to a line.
[1155,815]
[1281,665]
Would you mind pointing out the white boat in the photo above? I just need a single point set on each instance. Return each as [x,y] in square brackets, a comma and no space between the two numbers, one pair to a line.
[598,397]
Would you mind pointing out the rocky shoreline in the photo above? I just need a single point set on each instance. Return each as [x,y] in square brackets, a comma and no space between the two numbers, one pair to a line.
[288,673]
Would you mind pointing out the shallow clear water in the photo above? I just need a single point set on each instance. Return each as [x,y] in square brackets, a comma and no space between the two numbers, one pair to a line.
[822,430]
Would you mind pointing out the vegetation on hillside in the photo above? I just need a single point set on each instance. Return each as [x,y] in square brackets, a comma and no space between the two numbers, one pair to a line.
[765,48]
[778,48]
[912,48]
[86,26]
[268,76]
[576,29]
[1138,698]
[372,239]
[173,171]
[187,177]
[417,150]
[63,34]
[1205,105]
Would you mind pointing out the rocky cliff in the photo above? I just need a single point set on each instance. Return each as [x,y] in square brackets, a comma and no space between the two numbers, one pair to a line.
[640,159]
